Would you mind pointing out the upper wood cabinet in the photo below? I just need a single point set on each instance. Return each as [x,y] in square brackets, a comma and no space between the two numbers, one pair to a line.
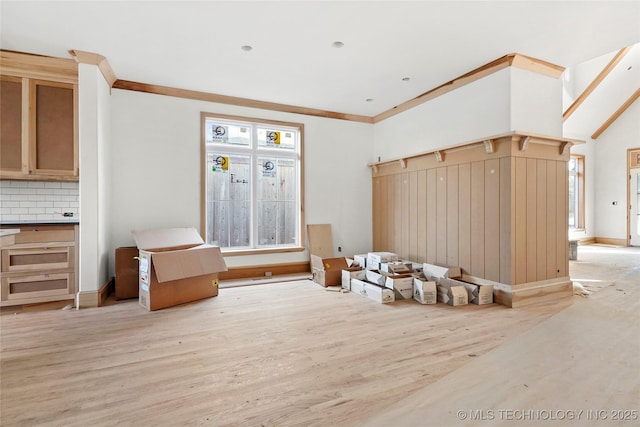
[39,131]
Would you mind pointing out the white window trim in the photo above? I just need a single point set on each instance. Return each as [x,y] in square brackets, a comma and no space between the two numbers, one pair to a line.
[254,151]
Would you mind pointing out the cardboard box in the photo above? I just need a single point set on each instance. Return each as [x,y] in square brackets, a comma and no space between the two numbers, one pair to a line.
[127,283]
[437,271]
[374,276]
[425,291]
[351,273]
[382,256]
[402,285]
[361,260]
[396,267]
[372,291]
[328,271]
[452,295]
[476,294]
[176,267]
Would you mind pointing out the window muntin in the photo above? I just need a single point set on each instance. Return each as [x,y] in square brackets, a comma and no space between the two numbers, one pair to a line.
[253,184]
[576,192]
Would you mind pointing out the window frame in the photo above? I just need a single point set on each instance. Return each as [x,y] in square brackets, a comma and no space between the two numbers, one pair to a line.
[580,180]
[254,151]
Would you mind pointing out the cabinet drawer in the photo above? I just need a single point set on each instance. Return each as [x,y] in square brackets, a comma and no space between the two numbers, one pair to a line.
[45,236]
[36,286]
[53,258]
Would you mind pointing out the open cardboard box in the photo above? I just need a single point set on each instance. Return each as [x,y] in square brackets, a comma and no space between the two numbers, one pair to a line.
[176,267]
[326,269]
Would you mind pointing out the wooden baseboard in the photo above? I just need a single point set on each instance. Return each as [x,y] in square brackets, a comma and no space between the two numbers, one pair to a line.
[96,298]
[586,241]
[611,241]
[260,271]
[525,294]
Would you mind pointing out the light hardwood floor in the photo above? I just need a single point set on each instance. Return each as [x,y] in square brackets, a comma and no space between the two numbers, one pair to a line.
[286,354]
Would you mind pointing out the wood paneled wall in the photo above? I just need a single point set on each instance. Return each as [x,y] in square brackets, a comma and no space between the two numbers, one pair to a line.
[500,216]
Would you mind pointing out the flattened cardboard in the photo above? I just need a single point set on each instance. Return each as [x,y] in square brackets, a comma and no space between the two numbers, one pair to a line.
[191,262]
[320,240]
[161,238]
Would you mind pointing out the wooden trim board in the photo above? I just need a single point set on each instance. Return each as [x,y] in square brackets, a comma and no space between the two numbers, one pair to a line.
[617,114]
[91,299]
[594,84]
[83,57]
[260,271]
[33,66]
[233,100]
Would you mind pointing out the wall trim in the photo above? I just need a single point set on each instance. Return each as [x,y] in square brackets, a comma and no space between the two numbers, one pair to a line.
[68,71]
[35,66]
[526,294]
[586,241]
[233,100]
[83,57]
[90,299]
[611,241]
[617,114]
[258,271]
[513,59]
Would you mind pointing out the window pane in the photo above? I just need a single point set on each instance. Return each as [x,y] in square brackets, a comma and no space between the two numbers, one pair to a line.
[573,223]
[277,138]
[226,133]
[276,202]
[228,200]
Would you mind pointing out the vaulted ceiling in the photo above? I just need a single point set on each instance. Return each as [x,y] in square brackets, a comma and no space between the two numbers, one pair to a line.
[391,51]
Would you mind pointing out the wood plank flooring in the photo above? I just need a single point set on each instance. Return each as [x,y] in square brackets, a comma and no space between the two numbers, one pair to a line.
[285,354]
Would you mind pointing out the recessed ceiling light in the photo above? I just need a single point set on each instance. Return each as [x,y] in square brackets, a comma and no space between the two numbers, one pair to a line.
[337,44]
[369,99]
[406,79]
[246,48]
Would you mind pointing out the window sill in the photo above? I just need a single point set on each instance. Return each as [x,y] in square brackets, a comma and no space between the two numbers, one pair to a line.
[262,251]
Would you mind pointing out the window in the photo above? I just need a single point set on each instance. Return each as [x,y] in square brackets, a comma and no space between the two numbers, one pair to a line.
[252,173]
[576,192]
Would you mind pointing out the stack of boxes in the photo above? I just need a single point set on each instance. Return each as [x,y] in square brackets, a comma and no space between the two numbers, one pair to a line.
[380,276]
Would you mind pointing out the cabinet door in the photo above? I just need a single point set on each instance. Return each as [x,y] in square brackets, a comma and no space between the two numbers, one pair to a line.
[13,132]
[53,136]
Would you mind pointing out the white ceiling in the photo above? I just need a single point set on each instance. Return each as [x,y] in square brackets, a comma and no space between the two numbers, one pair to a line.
[197,44]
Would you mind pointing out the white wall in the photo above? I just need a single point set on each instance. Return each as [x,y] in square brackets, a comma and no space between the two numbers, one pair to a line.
[605,157]
[536,103]
[611,173]
[94,171]
[476,110]
[156,171]
[507,100]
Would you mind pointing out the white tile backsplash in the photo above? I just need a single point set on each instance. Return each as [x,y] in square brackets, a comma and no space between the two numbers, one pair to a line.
[40,201]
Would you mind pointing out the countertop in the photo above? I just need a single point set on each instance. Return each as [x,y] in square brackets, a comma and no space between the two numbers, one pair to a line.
[10,224]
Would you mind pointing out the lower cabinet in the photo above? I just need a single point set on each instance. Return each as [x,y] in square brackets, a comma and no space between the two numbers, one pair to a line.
[40,266]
